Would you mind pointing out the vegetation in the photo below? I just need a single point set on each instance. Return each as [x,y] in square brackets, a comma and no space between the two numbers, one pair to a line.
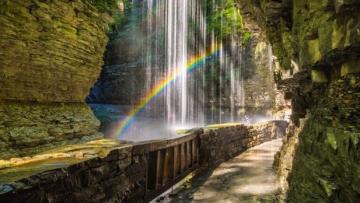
[113,8]
[108,6]
[224,19]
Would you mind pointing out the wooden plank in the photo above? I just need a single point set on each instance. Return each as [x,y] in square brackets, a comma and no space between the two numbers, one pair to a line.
[192,144]
[188,154]
[151,173]
[179,160]
[183,158]
[166,166]
[176,161]
[171,163]
[141,148]
[159,169]
[197,150]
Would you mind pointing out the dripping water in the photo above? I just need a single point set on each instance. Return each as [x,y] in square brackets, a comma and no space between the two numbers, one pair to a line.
[175,31]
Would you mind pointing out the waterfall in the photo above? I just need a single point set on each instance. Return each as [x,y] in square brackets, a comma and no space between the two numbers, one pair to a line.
[177,30]
[172,33]
[170,25]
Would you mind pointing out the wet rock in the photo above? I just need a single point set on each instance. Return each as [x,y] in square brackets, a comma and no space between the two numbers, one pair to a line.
[317,42]
[51,55]
[46,126]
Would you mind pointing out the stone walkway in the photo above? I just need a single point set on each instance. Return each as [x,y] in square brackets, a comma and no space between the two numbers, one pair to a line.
[248,177]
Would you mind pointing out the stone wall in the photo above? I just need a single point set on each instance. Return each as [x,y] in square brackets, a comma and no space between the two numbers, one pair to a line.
[318,47]
[51,52]
[221,144]
[122,175]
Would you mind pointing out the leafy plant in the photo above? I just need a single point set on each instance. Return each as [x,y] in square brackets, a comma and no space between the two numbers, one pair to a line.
[112,8]
[223,18]
[246,37]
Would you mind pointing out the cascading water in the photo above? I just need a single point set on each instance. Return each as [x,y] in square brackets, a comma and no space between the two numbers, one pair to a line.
[171,26]
[175,32]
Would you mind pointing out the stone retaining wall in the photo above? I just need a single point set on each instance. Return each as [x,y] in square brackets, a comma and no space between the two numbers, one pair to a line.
[219,145]
[122,175]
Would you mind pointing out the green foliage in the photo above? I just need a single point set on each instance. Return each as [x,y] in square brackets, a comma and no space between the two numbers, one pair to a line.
[224,18]
[108,6]
[112,8]
[246,37]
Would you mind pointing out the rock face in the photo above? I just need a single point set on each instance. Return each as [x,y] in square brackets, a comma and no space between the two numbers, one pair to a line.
[327,159]
[259,86]
[317,44]
[123,175]
[258,62]
[124,75]
[51,54]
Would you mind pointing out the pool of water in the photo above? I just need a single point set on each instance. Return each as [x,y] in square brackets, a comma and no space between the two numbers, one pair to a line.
[152,125]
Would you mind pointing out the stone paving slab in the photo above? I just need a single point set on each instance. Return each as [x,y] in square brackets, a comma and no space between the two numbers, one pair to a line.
[248,177]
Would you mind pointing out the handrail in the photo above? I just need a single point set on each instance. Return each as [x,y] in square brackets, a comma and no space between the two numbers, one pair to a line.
[168,162]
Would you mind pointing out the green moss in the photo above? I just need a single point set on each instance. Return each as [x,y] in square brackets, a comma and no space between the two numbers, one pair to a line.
[314,50]
[224,18]
[246,37]
[355,138]
[338,35]
[108,6]
[326,164]
[327,186]
[318,76]
[330,138]
[350,67]
[112,8]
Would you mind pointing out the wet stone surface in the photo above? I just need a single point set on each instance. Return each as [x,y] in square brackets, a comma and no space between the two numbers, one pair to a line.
[248,177]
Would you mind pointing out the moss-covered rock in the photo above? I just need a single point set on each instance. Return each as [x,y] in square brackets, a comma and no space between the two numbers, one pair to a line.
[51,51]
[326,164]
[322,38]
[350,67]
[51,54]
[29,128]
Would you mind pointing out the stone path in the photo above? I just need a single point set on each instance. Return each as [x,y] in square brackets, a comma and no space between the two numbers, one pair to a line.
[248,177]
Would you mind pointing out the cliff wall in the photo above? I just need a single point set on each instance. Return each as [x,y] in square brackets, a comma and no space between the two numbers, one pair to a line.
[125,68]
[317,45]
[51,54]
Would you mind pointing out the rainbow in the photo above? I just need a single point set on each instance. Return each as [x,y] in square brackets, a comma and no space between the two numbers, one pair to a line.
[192,64]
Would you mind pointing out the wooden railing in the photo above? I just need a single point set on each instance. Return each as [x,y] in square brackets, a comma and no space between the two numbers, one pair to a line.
[168,162]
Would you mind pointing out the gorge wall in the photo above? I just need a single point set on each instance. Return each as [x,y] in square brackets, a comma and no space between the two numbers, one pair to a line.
[51,54]
[317,45]
[261,94]
[124,76]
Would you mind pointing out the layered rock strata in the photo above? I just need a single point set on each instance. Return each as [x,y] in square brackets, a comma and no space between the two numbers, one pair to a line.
[317,44]
[51,54]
